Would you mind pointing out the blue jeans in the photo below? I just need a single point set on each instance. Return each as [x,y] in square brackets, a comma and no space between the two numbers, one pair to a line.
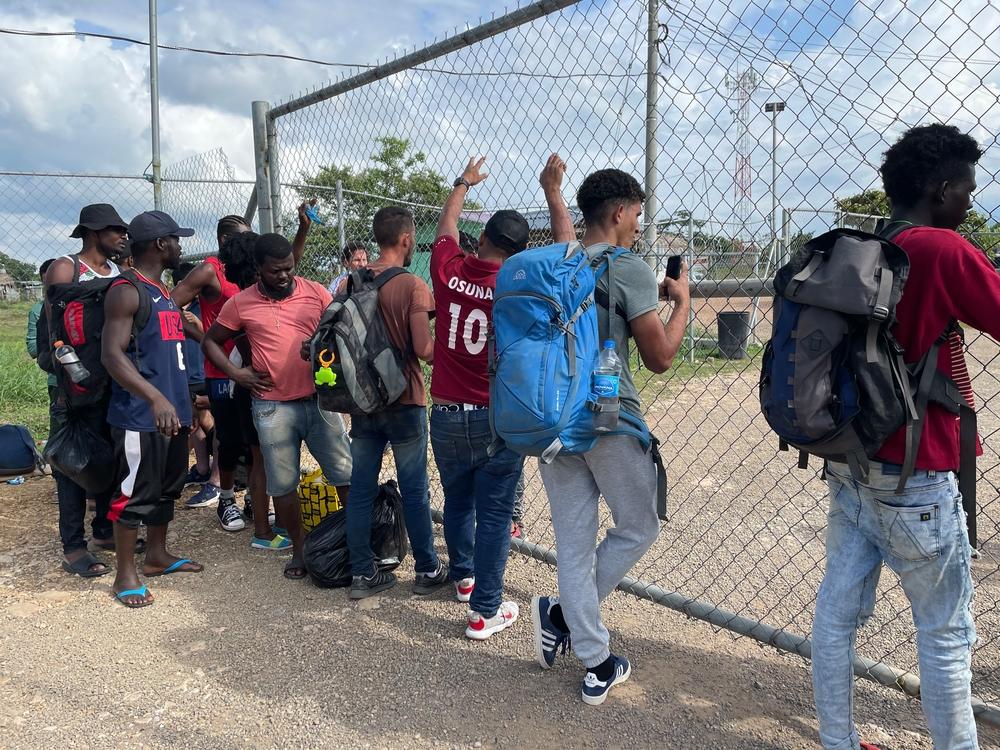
[478,501]
[921,535]
[405,429]
[282,426]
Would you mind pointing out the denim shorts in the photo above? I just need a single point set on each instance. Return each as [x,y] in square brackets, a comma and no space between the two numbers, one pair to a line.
[283,426]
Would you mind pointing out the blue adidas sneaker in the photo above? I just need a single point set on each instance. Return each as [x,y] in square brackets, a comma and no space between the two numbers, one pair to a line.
[595,692]
[548,638]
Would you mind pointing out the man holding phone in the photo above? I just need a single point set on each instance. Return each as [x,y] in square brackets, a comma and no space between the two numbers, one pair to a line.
[617,467]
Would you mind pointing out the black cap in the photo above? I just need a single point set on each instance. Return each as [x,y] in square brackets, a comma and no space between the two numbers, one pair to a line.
[97,216]
[508,230]
[151,225]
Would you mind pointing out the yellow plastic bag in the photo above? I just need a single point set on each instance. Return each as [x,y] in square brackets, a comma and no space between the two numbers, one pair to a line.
[317,499]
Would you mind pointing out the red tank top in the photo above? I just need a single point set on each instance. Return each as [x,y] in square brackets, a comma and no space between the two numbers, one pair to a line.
[210,310]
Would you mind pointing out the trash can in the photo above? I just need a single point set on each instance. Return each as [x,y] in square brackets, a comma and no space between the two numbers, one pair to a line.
[734,334]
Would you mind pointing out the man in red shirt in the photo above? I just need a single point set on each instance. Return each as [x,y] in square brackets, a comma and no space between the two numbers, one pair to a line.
[478,487]
[929,176]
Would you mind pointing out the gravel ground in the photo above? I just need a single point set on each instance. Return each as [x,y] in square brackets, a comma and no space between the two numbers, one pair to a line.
[240,657]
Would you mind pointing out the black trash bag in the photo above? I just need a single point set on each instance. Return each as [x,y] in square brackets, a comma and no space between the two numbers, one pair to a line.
[389,541]
[83,455]
[325,554]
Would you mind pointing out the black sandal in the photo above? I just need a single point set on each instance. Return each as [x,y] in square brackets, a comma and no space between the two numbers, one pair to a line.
[82,567]
[299,568]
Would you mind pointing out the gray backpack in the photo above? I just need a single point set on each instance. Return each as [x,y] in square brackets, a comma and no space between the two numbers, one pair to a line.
[357,368]
[834,383]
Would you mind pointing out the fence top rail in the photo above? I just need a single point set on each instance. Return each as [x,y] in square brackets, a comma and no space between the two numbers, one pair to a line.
[464,39]
[71,175]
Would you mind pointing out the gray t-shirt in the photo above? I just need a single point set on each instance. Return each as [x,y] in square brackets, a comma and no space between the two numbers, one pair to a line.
[636,293]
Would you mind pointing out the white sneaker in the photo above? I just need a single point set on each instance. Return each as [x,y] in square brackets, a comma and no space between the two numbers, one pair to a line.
[463,589]
[479,628]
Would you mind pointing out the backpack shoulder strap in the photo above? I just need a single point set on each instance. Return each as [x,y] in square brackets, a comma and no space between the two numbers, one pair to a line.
[890,229]
[145,309]
[388,275]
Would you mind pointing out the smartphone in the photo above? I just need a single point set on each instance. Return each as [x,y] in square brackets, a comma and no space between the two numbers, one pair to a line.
[674,266]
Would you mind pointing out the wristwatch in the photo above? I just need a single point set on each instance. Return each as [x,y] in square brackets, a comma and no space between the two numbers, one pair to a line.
[462,181]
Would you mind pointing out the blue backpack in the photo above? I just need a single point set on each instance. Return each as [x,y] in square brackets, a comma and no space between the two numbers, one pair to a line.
[543,347]
[18,454]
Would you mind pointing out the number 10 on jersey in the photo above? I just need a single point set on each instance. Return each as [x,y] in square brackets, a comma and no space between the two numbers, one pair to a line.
[474,329]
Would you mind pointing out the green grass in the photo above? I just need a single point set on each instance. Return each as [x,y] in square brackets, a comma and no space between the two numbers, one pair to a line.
[24,397]
[706,363]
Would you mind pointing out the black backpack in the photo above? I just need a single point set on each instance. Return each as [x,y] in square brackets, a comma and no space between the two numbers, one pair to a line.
[77,318]
[834,383]
[356,367]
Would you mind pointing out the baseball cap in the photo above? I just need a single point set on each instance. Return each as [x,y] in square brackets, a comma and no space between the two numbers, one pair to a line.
[151,225]
[508,230]
[97,216]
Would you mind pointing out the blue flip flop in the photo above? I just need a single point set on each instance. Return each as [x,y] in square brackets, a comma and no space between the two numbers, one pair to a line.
[141,591]
[174,568]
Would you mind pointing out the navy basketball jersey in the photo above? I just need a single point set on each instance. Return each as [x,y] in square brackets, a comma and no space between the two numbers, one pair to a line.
[157,350]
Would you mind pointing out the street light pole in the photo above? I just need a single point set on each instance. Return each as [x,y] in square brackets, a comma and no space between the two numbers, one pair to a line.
[154,107]
[652,124]
[774,108]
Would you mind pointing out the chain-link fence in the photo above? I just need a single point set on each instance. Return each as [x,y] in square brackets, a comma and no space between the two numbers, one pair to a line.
[753,129]
[38,210]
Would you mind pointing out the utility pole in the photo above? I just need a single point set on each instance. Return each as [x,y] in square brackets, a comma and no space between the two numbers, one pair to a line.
[652,124]
[154,107]
[774,108]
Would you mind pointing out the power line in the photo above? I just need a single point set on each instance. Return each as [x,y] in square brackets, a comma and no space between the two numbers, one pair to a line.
[313,61]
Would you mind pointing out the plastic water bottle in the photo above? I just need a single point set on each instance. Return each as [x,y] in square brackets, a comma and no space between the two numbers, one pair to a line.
[66,356]
[313,213]
[607,374]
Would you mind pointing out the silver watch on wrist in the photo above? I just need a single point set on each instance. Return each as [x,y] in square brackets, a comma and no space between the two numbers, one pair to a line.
[462,181]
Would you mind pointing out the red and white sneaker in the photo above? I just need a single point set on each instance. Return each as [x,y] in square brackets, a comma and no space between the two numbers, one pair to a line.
[464,588]
[479,628]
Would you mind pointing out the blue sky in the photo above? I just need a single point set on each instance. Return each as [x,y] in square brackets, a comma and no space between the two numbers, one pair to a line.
[853,80]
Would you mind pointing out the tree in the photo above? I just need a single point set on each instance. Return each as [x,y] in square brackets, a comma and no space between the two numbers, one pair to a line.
[396,174]
[864,208]
[18,269]
[869,205]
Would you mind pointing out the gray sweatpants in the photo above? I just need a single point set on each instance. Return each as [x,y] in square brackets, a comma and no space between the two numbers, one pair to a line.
[618,469]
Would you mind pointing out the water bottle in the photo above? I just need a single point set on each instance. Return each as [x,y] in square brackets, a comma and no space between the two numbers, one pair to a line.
[313,213]
[605,389]
[66,356]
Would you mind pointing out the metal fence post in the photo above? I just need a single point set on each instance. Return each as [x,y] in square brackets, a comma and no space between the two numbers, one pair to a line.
[690,262]
[341,231]
[274,175]
[154,107]
[786,235]
[265,220]
[652,123]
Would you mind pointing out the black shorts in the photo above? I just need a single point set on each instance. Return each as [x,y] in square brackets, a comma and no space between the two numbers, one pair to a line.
[197,388]
[234,426]
[153,468]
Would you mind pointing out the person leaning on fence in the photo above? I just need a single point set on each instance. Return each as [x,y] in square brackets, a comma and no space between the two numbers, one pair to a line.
[617,467]
[920,533]
[150,408]
[478,487]
[278,313]
[405,303]
[103,233]
[354,256]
